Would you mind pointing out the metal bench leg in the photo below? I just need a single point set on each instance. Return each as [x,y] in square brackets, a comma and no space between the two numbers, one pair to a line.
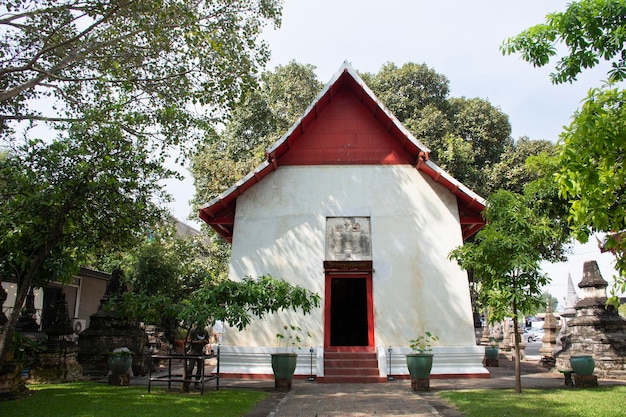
[568,379]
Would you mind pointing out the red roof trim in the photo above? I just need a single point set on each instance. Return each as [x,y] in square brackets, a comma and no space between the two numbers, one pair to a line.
[219,213]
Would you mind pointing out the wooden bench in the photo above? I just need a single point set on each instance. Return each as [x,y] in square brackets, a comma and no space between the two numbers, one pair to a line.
[171,376]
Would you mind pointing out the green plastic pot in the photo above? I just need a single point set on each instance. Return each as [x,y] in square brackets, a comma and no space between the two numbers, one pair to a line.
[419,364]
[582,364]
[491,352]
[120,364]
[284,365]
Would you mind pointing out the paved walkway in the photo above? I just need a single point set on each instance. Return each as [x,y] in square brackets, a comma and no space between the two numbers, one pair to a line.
[307,399]
[395,398]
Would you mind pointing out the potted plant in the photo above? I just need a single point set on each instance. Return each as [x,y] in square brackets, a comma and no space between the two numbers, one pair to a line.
[420,361]
[491,351]
[284,363]
[120,361]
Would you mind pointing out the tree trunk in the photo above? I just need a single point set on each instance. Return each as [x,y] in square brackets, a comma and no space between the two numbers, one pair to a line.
[6,337]
[24,284]
[518,372]
[185,385]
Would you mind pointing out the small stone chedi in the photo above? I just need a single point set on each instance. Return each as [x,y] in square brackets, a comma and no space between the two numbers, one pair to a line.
[569,310]
[548,342]
[106,332]
[596,329]
[27,322]
[59,362]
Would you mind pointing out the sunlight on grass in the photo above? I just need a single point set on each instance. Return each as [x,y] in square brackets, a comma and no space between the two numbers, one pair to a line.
[596,402]
[90,399]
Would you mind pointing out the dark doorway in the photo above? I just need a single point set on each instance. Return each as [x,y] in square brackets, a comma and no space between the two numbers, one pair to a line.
[348,312]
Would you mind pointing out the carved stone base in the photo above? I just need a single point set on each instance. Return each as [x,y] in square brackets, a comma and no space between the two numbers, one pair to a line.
[420,384]
[119,379]
[57,367]
[585,381]
[12,386]
[493,363]
[282,384]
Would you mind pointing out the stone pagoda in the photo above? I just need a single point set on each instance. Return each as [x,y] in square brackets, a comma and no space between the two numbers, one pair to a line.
[569,308]
[570,299]
[596,329]
[59,362]
[107,331]
[548,342]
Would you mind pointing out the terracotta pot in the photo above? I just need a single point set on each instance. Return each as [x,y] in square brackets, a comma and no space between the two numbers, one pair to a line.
[419,364]
[582,364]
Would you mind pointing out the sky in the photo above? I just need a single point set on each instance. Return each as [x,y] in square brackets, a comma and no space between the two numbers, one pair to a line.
[457,38]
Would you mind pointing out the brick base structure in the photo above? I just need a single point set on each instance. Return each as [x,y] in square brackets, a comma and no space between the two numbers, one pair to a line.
[420,384]
[282,384]
[585,381]
[492,363]
[119,379]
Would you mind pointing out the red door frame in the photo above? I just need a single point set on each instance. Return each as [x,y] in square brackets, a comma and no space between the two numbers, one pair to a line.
[370,311]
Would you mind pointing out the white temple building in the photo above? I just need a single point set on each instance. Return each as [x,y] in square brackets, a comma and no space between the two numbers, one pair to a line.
[347,204]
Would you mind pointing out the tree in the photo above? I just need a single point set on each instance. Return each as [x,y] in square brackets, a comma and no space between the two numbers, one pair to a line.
[288,91]
[589,30]
[257,121]
[162,271]
[418,96]
[504,256]
[408,89]
[478,135]
[478,122]
[156,60]
[511,172]
[544,197]
[547,299]
[465,136]
[125,84]
[591,173]
[233,302]
[61,201]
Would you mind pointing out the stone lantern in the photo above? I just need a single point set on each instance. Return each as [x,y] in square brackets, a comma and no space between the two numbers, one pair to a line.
[548,342]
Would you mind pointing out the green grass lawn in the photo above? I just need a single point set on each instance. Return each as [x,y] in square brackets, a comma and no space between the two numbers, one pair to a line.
[593,402]
[91,399]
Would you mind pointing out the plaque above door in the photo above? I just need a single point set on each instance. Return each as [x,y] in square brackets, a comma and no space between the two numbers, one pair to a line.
[348,239]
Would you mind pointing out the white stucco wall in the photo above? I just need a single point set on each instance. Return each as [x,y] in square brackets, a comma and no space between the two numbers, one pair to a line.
[280,228]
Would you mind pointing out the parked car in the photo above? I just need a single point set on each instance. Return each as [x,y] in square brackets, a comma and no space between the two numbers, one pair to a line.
[529,336]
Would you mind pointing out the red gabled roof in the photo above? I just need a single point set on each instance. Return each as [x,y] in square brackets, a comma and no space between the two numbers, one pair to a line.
[345,124]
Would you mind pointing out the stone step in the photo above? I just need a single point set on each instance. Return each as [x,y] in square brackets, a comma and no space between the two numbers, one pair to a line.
[345,379]
[351,363]
[351,371]
[351,367]
[350,355]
